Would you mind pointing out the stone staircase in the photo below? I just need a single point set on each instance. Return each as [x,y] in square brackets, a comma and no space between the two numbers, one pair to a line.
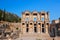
[34,37]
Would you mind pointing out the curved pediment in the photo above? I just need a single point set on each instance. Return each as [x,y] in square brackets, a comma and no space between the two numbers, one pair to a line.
[34,12]
[43,12]
[27,12]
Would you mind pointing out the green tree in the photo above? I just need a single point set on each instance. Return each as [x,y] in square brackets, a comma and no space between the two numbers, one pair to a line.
[10,17]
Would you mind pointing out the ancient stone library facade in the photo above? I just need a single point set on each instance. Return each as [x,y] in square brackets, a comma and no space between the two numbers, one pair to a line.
[35,25]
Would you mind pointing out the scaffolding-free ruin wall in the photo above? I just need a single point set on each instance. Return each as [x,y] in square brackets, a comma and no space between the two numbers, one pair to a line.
[35,22]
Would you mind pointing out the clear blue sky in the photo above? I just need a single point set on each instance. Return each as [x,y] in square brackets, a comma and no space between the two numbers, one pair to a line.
[17,6]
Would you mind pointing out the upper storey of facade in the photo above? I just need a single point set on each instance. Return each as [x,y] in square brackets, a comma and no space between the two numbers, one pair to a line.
[35,16]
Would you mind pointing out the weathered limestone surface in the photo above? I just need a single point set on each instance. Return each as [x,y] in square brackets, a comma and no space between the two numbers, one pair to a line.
[27,25]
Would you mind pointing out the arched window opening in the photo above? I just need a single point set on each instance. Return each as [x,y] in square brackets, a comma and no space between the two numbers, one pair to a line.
[42,19]
[27,29]
[35,19]
[27,19]
[43,30]
[35,28]
[27,14]
[27,25]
